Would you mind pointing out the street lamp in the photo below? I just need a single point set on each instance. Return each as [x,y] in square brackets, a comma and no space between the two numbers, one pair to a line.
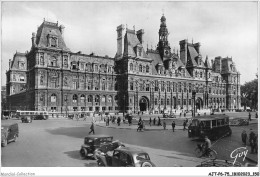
[193,97]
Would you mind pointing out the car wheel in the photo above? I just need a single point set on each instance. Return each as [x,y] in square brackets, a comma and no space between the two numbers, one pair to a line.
[147,164]
[4,143]
[83,153]
[15,138]
[100,164]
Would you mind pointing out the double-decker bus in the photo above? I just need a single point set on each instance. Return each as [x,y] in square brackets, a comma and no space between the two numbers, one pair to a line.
[212,126]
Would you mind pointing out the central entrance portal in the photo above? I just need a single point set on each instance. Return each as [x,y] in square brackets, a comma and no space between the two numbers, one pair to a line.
[199,104]
[144,104]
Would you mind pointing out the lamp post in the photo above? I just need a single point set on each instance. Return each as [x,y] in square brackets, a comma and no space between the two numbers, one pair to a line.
[193,97]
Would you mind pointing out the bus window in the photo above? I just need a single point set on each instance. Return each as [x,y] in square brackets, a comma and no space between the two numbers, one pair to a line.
[219,122]
[214,123]
[207,124]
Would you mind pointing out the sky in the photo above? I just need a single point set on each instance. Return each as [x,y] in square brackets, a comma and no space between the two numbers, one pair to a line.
[223,28]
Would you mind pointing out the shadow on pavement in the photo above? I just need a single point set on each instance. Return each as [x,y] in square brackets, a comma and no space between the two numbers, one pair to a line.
[75,155]
[77,132]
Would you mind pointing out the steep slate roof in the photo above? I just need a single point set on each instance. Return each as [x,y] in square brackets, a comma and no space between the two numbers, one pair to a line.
[130,42]
[156,60]
[52,29]
[192,54]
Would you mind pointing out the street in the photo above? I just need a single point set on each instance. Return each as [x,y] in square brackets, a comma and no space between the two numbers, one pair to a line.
[56,143]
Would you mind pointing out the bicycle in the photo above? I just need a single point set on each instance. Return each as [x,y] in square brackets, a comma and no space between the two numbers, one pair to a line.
[200,151]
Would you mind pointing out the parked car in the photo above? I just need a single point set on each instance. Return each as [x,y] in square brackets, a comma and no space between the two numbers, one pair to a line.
[165,115]
[9,132]
[172,116]
[239,122]
[95,144]
[125,157]
[26,119]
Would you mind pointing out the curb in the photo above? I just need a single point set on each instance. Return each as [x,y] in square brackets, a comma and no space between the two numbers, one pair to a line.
[252,160]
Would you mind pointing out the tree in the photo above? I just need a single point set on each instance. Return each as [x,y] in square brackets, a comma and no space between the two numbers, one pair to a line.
[249,94]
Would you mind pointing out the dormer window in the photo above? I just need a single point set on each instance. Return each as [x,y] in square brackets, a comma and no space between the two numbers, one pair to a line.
[53,62]
[53,42]
[140,51]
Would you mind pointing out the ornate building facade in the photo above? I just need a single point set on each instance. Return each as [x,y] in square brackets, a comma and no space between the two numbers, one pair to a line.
[53,78]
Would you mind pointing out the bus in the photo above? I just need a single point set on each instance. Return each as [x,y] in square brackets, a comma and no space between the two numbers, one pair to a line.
[35,115]
[212,126]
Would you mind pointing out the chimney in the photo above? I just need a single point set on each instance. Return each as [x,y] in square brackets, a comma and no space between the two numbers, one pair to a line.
[33,40]
[140,34]
[61,28]
[120,41]
[183,51]
[197,47]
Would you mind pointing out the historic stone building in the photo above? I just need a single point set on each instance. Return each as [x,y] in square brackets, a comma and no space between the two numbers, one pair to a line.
[51,77]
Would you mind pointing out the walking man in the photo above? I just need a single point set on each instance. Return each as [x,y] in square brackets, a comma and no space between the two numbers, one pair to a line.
[244,137]
[184,125]
[159,121]
[92,128]
[249,116]
[164,124]
[173,126]
[150,122]
[118,121]
[154,121]
[252,141]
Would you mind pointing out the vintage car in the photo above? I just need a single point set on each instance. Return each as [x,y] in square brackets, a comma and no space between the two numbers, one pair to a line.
[96,144]
[239,122]
[125,157]
[9,132]
[26,119]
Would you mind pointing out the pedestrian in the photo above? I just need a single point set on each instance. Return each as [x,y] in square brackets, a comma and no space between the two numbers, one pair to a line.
[118,121]
[154,121]
[159,121]
[107,121]
[164,124]
[252,140]
[173,126]
[184,125]
[140,125]
[249,116]
[244,137]
[92,128]
[180,114]
[256,115]
[184,114]
[150,122]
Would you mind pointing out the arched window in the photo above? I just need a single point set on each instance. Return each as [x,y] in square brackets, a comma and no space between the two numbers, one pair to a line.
[155,101]
[140,68]
[82,98]
[109,99]
[103,86]
[75,98]
[162,101]
[168,101]
[53,98]
[96,98]
[103,99]
[90,98]
[131,86]
[147,68]
[147,88]
[131,66]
